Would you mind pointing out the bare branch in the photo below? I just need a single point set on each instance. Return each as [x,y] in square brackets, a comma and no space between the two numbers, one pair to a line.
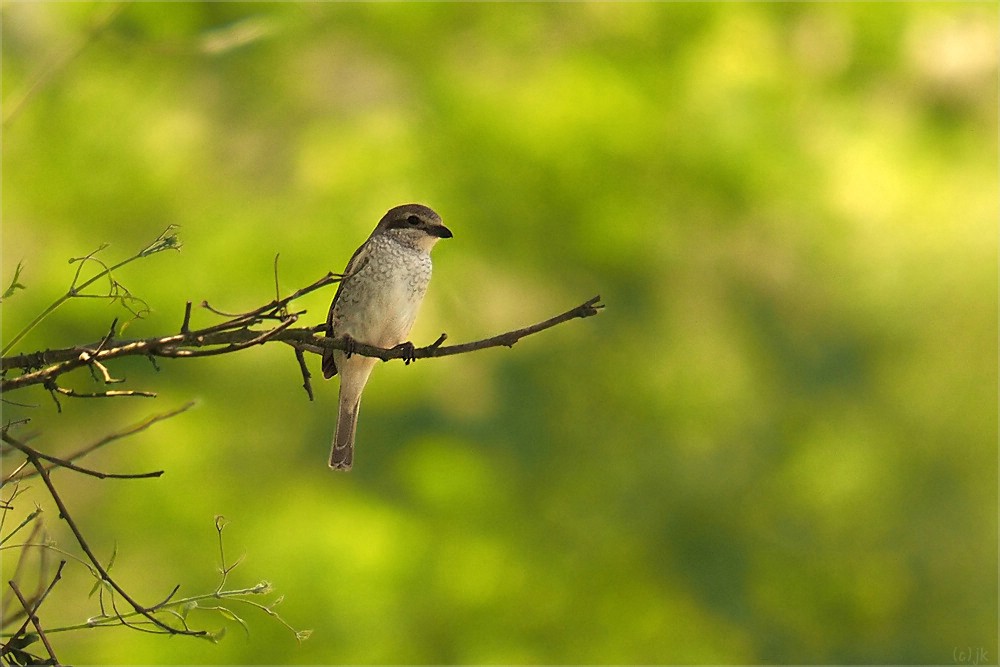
[236,334]
[63,463]
[186,324]
[306,375]
[105,374]
[114,393]
[31,609]
[234,346]
[35,458]
[112,437]
[11,614]
[167,240]
[436,349]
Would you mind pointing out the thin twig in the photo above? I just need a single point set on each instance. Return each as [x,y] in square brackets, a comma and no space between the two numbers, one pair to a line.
[31,609]
[587,309]
[113,393]
[12,475]
[186,324]
[118,435]
[55,399]
[277,288]
[66,463]
[165,241]
[28,519]
[63,463]
[306,384]
[258,339]
[216,311]
[110,335]
[169,605]
[105,373]
[11,613]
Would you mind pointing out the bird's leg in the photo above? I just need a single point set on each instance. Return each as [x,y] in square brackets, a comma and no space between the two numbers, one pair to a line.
[409,352]
[348,346]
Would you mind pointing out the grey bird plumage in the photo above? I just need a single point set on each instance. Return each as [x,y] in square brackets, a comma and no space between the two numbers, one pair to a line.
[376,303]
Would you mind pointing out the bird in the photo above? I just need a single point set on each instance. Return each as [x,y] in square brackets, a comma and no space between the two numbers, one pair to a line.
[376,303]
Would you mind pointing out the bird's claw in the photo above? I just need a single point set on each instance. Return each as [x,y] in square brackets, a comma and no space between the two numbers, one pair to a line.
[349,346]
[409,352]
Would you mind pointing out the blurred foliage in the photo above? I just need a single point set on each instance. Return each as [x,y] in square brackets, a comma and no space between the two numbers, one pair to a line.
[777,444]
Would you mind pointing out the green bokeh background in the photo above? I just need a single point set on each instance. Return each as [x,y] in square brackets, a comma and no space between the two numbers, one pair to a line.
[778,443]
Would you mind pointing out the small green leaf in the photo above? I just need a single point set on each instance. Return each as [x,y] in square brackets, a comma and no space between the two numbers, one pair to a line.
[187,608]
[14,284]
[99,584]
[230,615]
[31,517]
[166,241]
[25,640]
[114,554]
[214,637]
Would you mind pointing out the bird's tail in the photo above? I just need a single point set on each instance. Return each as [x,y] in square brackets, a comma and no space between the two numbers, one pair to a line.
[342,451]
[354,372]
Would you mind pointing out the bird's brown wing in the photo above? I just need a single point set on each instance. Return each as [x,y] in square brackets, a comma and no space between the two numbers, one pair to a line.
[357,262]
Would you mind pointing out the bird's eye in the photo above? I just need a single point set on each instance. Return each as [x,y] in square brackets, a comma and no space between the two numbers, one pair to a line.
[413,220]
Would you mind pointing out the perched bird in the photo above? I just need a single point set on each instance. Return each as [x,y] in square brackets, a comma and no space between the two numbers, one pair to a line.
[376,303]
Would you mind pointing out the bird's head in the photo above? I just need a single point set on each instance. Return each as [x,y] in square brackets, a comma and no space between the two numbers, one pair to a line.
[414,224]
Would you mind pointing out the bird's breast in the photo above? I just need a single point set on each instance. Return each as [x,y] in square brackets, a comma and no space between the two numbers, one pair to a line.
[378,304]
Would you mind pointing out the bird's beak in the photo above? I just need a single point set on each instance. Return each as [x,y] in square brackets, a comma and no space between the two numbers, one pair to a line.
[440,231]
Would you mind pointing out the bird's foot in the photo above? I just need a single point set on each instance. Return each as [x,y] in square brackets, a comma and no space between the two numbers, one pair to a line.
[348,346]
[409,352]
